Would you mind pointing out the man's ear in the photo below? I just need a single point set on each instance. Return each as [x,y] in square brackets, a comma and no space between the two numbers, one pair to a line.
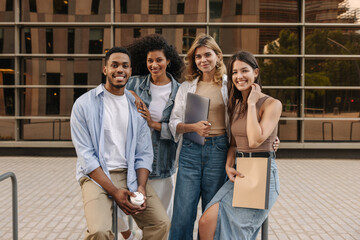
[104,70]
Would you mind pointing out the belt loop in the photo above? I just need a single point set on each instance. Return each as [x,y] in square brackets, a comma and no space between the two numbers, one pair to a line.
[250,154]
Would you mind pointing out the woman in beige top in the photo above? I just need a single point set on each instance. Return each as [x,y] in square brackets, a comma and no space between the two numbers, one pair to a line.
[254,117]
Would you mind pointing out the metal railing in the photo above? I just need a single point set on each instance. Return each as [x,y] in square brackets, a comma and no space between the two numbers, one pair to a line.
[264,229]
[14,201]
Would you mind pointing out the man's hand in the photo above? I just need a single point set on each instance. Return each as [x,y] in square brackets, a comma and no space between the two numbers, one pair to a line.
[122,200]
[142,190]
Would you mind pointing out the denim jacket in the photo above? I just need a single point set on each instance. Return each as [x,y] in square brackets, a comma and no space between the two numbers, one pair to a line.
[163,144]
[178,113]
[87,134]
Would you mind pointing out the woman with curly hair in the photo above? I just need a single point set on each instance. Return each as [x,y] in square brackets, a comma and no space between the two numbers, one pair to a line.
[157,68]
[201,170]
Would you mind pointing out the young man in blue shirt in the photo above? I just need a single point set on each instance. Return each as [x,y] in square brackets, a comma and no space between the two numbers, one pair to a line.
[114,149]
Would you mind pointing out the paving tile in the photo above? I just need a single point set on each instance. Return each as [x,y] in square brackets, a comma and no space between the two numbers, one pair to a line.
[319,199]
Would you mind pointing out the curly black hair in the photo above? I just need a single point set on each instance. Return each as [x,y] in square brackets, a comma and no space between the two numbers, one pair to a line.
[141,47]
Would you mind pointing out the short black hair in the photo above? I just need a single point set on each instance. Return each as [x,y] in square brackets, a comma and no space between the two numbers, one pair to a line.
[116,50]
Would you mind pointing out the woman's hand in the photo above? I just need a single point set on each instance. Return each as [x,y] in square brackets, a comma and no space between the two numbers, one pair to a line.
[146,114]
[255,94]
[139,103]
[202,128]
[232,173]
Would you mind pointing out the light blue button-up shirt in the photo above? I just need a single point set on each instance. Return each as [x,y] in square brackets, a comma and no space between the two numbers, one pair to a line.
[87,134]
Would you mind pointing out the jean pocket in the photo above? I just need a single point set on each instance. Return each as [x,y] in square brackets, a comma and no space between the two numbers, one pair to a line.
[276,180]
[223,147]
[187,143]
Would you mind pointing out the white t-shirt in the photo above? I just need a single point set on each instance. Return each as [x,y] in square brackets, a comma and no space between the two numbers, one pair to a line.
[159,98]
[115,120]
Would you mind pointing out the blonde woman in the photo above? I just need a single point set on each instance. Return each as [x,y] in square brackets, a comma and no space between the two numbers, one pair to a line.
[201,170]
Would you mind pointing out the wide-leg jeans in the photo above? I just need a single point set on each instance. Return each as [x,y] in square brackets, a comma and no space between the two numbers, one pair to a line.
[201,173]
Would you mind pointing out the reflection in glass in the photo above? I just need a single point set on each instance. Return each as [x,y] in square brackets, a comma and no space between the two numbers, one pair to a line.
[332,41]
[40,102]
[80,79]
[64,40]
[257,40]
[180,38]
[52,94]
[7,95]
[332,72]
[290,99]
[330,11]
[96,41]
[335,103]
[6,40]
[289,130]
[332,131]
[65,11]
[34,70]
[50,129]
[254,11]
[7,129]
[279,71]
[158,11]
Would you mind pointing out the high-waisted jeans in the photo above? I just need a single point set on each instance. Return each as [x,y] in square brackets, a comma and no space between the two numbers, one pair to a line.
[201,173]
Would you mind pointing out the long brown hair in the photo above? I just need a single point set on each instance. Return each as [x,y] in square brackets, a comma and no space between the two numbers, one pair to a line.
[191,68]
[235,96]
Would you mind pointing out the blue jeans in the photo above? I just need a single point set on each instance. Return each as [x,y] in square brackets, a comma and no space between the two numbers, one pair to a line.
[201,173]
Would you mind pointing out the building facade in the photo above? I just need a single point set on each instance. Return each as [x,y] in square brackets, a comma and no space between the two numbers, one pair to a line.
[51,52]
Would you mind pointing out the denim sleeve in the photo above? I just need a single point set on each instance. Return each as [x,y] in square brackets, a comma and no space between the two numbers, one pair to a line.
[80,135]
[144,154]
[165,131]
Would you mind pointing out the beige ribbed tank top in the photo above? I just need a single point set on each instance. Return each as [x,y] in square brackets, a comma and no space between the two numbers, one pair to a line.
[238,131]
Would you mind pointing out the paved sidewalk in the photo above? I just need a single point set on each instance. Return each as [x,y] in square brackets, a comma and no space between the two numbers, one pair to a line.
[320,199]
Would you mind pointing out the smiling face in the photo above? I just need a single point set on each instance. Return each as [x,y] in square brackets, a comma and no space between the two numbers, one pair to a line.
[243,75]
[156,63]
[117,71]
[205,59]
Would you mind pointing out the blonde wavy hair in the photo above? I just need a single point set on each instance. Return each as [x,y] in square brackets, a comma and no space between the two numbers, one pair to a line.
[192,71]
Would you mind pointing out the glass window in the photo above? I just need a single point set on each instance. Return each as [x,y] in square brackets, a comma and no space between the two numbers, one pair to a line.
[96,41]
[71,40]
[52,94]
[335,103]
[32,5]
[6,11]
[7,129]
[7,107]
[95,6]
[60,6]
[48,129]
[44,102]
[80,79]
[330,11]
[332,41]
[329,72]
[181,38]
[180,8]
[7,40]
[289,130]
[65,11]
[290,99]
[257,40]
[280,71]
[35,70]
[157,11]
[332,130]
[254,11]
[59,40]
[49,41]
[155,6]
